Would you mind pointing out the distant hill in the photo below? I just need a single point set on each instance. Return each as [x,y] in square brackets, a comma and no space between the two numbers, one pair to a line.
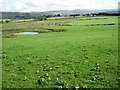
[85,11]
[113,11]
[6,15]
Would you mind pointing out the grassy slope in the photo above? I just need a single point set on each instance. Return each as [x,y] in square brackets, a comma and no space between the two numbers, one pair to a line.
[84,56]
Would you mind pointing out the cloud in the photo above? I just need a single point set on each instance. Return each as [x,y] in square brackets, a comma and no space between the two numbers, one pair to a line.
[46,5]
[16,6]
[1,5]
[1,1]
[19,5]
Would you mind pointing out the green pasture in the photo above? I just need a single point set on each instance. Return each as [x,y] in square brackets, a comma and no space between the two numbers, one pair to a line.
[81,57]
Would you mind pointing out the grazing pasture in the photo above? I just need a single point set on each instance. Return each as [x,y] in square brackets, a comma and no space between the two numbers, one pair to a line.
[80,56]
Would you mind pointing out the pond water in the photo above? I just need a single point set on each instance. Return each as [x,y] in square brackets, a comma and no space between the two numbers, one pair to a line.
[25,33]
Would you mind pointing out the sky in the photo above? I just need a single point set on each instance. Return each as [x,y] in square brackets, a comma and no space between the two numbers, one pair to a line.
[49,5]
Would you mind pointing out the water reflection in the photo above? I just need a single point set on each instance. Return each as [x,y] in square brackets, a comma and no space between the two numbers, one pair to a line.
[25,33]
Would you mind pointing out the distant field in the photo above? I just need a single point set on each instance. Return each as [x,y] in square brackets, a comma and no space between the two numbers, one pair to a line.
[83,56]
[23,20]
[19,24]
[51,18]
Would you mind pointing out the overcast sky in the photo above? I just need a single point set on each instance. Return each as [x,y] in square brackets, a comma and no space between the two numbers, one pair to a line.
[47,5]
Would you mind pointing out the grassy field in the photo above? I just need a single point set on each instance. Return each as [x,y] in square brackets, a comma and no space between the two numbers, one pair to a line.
[84,56]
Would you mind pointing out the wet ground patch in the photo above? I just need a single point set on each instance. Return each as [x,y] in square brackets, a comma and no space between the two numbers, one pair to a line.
[92,18]
[13,33]
[9,36]
[100,24]
[57,30]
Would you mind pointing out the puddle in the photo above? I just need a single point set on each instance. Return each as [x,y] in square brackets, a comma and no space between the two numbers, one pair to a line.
[25,33]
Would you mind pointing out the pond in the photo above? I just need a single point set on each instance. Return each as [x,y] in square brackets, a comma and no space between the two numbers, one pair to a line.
[25,33]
